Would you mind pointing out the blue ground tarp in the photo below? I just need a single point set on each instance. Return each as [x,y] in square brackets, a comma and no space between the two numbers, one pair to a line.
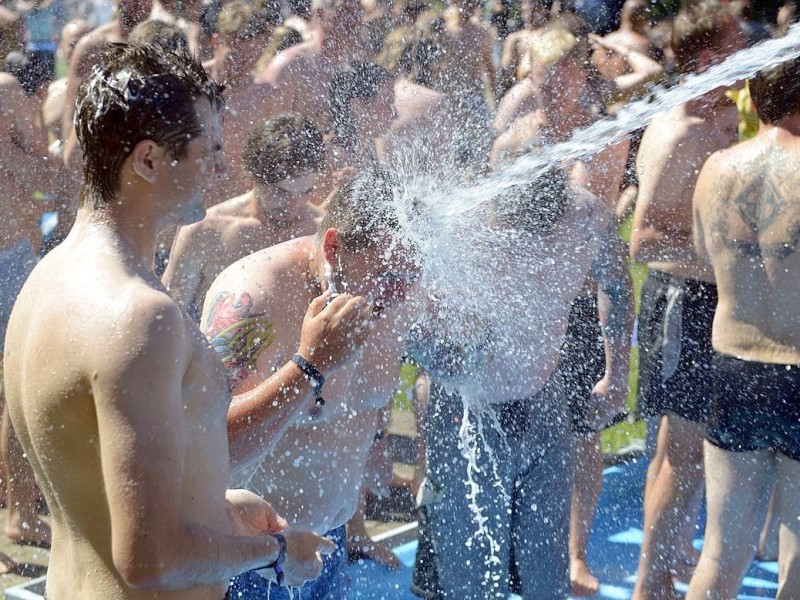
[613,549]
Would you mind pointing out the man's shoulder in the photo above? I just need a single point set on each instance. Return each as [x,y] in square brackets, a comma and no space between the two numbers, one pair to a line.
[261,269]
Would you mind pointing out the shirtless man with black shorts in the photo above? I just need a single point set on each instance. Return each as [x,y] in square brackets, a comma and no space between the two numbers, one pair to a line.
[679,296]
[125,426]
[746,212]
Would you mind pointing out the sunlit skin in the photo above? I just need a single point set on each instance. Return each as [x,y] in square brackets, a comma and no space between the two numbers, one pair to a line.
[313,470]
[263,217]
[127,429]
[745,217]
[674,147]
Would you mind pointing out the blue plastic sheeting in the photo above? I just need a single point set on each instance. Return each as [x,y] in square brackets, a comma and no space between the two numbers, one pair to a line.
[613,549]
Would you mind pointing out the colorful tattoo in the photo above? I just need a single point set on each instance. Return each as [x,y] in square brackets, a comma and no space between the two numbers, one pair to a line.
[236,335]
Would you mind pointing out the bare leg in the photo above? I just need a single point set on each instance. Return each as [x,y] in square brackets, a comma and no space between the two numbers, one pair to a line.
[659,451]
[23,524]
[788,508]
[667,505]
[737,492]
[360,545]
[585,494]
[768,542]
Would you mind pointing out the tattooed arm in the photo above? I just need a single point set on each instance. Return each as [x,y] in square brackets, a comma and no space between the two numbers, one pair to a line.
[259,417]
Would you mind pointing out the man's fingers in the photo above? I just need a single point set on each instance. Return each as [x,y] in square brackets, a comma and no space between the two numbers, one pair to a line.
[318,304]
[325,546]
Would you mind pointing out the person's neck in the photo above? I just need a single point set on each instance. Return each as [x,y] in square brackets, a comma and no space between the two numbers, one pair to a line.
[269,210]
[316,266]
[133,234]
[787,126]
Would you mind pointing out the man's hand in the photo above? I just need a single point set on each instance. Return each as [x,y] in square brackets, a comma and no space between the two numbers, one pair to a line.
[251,515]
[610,395]
[304,551]
[332,331]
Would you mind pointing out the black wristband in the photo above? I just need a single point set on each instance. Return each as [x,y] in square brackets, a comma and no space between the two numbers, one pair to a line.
[313,375]
[281,553]
[276,564]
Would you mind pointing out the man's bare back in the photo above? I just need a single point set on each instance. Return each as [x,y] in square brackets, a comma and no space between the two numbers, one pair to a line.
[674,147]
[747,215]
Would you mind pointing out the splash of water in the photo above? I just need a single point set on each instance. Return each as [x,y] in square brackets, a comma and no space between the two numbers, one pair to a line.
[465,262]
[594,138]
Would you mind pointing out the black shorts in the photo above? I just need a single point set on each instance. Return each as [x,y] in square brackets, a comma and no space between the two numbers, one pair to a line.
[756,406]
[583,362]
[675,354]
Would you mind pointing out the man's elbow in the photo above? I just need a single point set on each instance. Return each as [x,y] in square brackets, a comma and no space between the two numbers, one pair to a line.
[148,573]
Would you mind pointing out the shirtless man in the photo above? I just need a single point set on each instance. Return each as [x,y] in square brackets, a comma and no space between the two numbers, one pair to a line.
[243,33]
[301,75]
[283,155]
[631,36]
[420,135]
[516,59]
[465,75]
[523,491]
[746,214]
[126,430]
[564,82]
[25,173]
[313,472]
[679,297]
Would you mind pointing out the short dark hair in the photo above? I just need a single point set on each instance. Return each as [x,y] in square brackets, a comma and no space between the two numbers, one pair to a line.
[363,211]
[136,92]
[701,27]
[356,80]
[283,146]
[159,33]
[776,92]
[536,207]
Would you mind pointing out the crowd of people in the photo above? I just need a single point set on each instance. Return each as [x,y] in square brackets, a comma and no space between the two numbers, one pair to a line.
[199,356]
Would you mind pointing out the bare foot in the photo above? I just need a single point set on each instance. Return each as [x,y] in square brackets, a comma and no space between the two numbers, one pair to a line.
[581,580]
[360,548]
[659,586]
[34,533]
[7,564]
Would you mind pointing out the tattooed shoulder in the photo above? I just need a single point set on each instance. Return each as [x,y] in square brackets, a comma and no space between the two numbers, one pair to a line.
[756,213]
[237,334]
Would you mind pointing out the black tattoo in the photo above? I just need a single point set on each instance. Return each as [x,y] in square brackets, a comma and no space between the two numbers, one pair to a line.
[756,213]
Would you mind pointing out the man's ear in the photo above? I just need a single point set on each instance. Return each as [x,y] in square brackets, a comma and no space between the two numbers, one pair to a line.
[331,245]
[144,158]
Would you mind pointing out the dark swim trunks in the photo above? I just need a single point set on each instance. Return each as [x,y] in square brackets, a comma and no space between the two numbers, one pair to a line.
[756,406]
[330,585]
[675,352]
[583,362]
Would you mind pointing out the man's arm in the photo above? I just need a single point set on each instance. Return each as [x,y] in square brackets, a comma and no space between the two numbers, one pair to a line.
[705,190]
[143,439]
[660,232]
[259,417]
[615,311]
